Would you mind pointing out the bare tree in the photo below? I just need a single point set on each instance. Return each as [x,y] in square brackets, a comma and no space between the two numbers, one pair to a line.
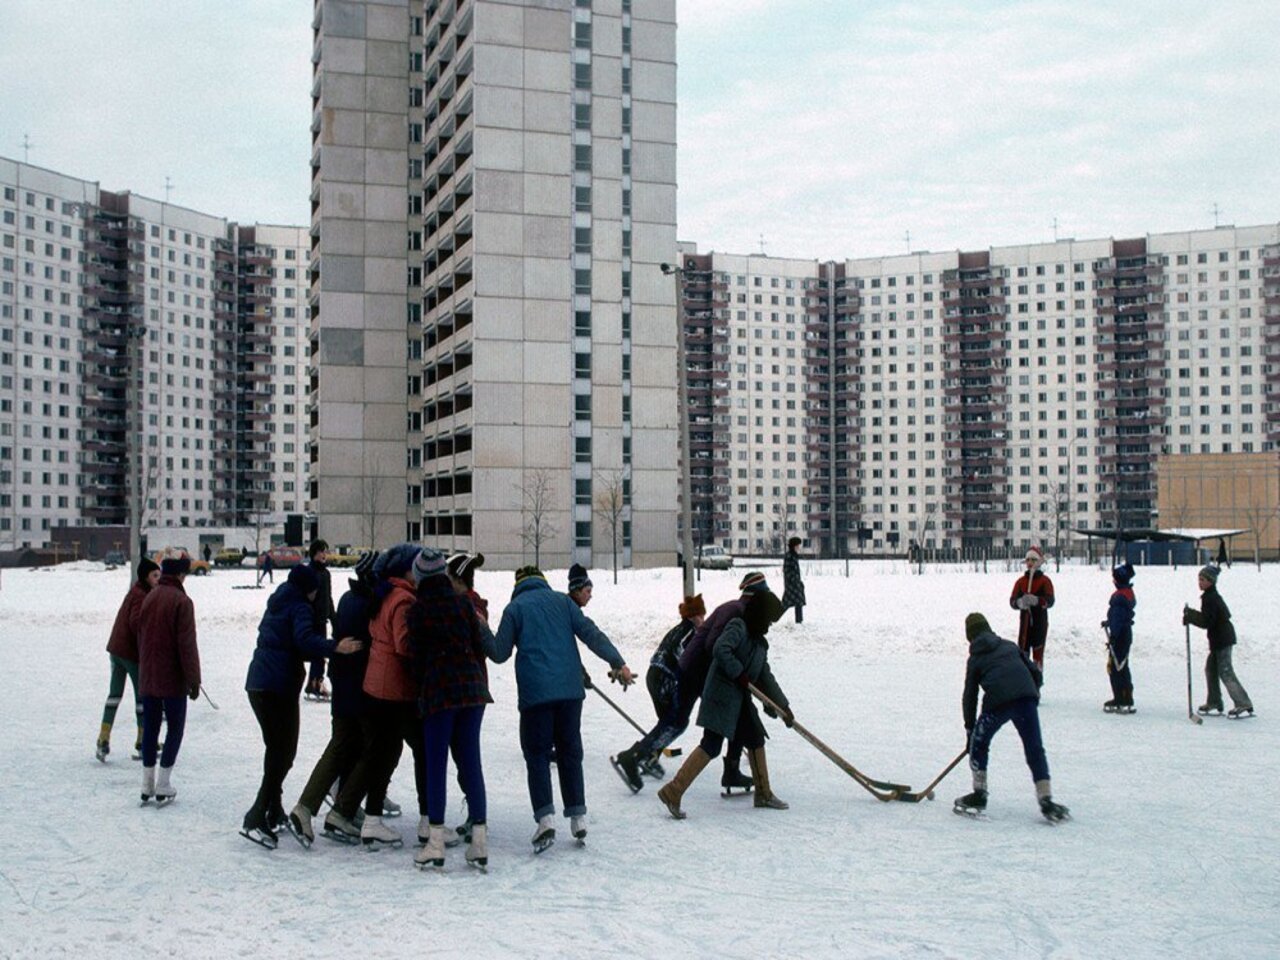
[781,521]
[373,488]
[611,502]
[1258,516]
[1180,516]
[922,533]
[1058,507]
[537,495]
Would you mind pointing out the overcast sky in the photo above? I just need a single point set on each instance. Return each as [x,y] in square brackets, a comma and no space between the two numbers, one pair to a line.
[831,127]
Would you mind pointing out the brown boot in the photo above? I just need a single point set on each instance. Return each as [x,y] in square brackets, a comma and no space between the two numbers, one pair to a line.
[671,793]
[760,774]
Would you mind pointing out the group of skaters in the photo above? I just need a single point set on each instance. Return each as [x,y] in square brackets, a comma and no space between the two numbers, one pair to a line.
[407,648]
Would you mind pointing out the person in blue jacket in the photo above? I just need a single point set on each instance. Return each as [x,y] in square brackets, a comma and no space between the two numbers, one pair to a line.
[286,641]
[540,625]
[1119,627]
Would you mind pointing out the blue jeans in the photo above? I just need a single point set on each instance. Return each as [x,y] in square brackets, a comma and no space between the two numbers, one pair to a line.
[457,732]
[1025,715]
[174,712]
[557,723]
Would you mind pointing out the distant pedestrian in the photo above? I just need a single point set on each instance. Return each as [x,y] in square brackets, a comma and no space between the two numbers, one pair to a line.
[1010,683]
[1119,628]
[1033,596]
[207,553]
[792,585]
[1214,619]
[168,673]
[122,648]
[265,566]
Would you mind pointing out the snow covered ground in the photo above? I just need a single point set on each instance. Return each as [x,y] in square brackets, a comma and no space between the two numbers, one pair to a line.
[1172,851]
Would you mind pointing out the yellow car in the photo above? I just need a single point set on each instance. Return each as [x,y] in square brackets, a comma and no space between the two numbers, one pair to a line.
[345,555]
[199,568]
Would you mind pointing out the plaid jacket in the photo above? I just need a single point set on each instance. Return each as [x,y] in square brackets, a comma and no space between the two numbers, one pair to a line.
[448,649]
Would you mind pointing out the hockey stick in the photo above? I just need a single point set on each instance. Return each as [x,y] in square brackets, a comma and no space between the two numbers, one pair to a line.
[927,792]
[894,790]
[207,697]
[1191,714]
[666,751]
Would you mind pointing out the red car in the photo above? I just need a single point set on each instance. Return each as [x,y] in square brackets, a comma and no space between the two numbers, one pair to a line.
[282,558]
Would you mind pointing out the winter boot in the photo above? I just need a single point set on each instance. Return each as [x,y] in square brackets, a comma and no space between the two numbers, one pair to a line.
[166,792]
[299,824]
[733,779]
[578,827]
[671,793]
[973,804]
[1053,812]
[478,846]
[375,835]
[627,767]
[104,743]
[432,852]
[760,776]
[148,784]
[543,837]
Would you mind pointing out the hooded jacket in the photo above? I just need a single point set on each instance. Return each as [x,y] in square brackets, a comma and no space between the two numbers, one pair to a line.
[540,625]
[168,658]
[389,675]
[1004,673]
[286,638]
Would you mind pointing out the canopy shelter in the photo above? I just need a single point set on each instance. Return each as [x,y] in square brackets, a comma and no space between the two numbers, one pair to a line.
[1193,537]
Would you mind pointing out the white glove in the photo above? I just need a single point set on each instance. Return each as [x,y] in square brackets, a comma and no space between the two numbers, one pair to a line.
[1028,600]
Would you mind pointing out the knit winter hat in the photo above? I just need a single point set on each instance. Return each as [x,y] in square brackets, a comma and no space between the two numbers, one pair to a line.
[753,582]
[763,610]
[1122,574]
[463,566]
[1036,554]
[364,566]
[145,567]
[693,607]
[175,566]
[428,563]
[794,542]
[524,573]
[578,577]
[303,578]
[1210,573]
[395,561]
[974,624]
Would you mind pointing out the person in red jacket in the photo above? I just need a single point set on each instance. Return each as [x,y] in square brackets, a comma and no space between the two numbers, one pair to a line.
[391,717]
[168,673]
[122,648]
[1032,596]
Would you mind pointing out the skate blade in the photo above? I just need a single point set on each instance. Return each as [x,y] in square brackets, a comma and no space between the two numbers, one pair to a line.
[622,775]
[728,792]
[970,813]
[481,864]
[1241,716]
[544,842]
[296,832]
[164,801]
[261,840]
[146,801]
[1055,821]
[425,865]
[337,836]
[375,846]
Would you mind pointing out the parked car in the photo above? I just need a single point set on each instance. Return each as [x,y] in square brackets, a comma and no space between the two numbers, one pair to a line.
[284,557]
[229,557]
[713,558]
[345,555]
[199,568]
[115,558]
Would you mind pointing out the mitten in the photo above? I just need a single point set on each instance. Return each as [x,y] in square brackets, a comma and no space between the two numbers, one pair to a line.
[194,691]
[770,712]
[586,679]
[742,680]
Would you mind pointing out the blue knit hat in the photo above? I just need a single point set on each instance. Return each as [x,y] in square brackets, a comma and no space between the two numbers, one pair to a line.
[753,582]
[1122,574]
[578,577]
[395,561]
[428,563]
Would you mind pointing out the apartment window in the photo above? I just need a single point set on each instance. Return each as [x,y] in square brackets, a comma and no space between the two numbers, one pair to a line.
[582,116]
[582,323]
[582,35]
[582,449]
[582,239]
[582,156]
[582,199]
[582,406]
[582,76]
[582,365]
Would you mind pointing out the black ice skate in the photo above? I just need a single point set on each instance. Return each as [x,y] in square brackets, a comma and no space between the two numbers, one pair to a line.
[1240,713]
[1111,706]
[1208,710]
[629,770]
[1053,812]
[973,805]
[652,768]
[735,783]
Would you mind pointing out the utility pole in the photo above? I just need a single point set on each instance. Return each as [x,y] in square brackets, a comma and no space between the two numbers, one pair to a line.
[686,481]
[907,238]
[1216,213]
[26,148]
[168,189]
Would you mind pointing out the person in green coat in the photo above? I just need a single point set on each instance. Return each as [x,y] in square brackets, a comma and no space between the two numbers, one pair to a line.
[740,657]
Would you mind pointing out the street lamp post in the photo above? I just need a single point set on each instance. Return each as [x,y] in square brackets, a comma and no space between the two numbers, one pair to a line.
[686,482]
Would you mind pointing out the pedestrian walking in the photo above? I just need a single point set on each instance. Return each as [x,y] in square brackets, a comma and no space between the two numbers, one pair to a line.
[792,585]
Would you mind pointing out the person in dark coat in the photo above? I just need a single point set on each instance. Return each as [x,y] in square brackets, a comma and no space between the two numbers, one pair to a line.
[695,661]
[342,755]
[286,640]
[740,657]
[663,683]
[168,673]
[122,649]
[792,585]
[322,615]
[1214,619]
[542,627]
[1119,627]
[450,642]
[1032,595]
[1010,682]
